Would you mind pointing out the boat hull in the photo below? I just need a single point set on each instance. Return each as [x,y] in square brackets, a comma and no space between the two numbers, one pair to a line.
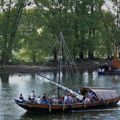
[106,71]
[109,73]
[34,107]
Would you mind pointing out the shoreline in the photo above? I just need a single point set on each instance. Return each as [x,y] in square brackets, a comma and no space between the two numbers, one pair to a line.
[25,68]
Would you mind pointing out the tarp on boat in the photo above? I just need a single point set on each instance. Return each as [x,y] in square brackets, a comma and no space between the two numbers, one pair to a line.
[103,94]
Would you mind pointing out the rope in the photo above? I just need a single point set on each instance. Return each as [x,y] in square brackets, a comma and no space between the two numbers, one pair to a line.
[52,91]
[75,66]
[61,40]
[69,77]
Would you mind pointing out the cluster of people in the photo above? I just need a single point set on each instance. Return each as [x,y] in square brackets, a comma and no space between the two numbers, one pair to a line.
[105,68]
[68,98]
[90,97]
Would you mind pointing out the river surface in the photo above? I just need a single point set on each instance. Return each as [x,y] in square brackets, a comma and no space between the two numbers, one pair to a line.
[11,85]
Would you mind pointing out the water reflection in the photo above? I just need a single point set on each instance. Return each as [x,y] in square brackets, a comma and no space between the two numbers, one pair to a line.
[105,114]
[11,85]
[4,77]
[60,116]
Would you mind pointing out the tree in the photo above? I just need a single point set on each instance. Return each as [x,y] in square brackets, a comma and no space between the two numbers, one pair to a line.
[11,15]
[93,21]
[116,9]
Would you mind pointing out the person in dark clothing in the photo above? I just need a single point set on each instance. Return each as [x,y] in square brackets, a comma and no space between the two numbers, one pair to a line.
[21,98]
[44,99]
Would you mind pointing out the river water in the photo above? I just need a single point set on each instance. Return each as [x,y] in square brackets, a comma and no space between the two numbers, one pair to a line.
[11,85]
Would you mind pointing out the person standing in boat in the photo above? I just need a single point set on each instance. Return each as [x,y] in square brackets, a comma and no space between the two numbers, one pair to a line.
[32,96]
[70,99]
[65,98]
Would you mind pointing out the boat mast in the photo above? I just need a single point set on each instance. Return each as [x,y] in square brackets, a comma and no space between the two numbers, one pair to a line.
[60,60]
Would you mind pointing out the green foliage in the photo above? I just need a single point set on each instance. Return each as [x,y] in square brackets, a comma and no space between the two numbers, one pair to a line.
[29,34]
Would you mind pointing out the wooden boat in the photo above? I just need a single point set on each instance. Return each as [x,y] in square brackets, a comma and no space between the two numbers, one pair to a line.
[111,69]
[108,70]
[105,98]
[102,97]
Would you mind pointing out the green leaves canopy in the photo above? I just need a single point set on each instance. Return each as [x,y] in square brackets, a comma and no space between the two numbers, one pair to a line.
[29,34]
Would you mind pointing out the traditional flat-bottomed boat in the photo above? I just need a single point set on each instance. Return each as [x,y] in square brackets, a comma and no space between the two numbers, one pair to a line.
[105,98]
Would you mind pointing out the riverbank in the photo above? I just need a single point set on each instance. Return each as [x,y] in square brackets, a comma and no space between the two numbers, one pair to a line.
[33,68]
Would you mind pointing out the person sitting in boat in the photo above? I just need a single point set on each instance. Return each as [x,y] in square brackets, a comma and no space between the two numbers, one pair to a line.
[21,98]
[61,99]
[75,99]
[88,97]
[29,97]
[44,96]
[70,99]
[89,94]
[54,99]
[94,97]
[38,100]
[44,99]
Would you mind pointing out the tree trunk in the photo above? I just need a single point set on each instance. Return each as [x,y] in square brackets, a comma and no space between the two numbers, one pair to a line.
[81,55]
[4,57]
[91,35]
[90,55]
[34,58]
[4,77]
[80,44]
[55,55]
[91,50]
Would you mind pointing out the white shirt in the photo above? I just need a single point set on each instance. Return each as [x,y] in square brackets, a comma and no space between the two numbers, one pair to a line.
[65,98]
